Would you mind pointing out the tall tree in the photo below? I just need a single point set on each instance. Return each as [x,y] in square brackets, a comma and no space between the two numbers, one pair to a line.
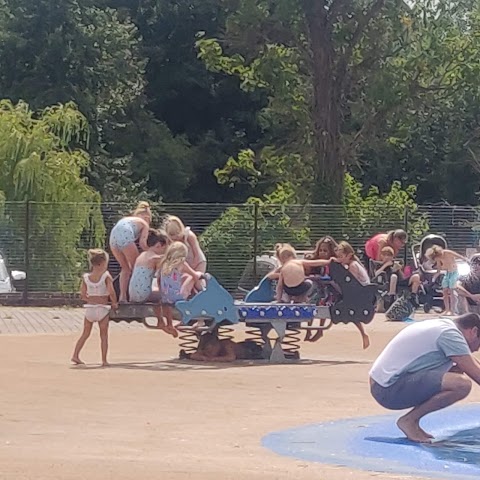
[209,116]
[337,74]
[54,51]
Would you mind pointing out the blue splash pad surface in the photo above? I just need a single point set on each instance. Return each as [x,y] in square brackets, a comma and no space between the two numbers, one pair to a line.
[376,444]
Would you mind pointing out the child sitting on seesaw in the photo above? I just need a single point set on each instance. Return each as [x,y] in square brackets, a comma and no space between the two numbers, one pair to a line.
[176,278]
[292,277]
[140,288]
[324,250]
[346,256]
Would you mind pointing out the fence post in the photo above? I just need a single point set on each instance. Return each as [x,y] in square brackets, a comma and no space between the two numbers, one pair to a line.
[255,241]
[27,252]
[405,227]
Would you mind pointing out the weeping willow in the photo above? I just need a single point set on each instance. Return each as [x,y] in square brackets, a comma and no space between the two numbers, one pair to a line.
[42,162]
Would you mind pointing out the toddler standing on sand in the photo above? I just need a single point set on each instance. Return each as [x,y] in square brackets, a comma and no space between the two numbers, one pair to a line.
[96,290]
[446,260]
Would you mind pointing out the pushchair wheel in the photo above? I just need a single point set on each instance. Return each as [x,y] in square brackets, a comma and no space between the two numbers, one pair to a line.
[427,307]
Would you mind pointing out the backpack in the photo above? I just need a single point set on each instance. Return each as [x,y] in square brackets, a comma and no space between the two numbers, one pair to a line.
[401,309]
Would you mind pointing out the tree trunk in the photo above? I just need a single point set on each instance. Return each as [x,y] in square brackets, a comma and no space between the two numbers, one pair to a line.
[329,166]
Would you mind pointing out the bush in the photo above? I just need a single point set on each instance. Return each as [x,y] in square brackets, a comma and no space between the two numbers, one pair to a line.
[229,241]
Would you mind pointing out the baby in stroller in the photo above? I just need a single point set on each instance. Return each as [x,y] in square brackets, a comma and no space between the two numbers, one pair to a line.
[431,294]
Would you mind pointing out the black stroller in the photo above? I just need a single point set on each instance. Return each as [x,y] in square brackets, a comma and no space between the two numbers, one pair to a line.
[432,295]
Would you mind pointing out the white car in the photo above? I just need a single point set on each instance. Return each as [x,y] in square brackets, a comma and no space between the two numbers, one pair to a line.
[8,278]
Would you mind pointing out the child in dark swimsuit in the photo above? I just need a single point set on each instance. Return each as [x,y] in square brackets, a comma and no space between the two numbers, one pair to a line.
[292,278]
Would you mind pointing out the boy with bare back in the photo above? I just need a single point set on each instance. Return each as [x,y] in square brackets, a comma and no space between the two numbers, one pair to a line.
[292,279]
[446,260]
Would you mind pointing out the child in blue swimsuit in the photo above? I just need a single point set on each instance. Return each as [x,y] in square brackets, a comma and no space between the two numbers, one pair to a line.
[446,260]
[123,236]
[177,279]
[141,283]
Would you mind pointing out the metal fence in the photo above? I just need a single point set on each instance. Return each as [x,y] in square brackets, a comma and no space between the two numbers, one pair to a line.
[49,240]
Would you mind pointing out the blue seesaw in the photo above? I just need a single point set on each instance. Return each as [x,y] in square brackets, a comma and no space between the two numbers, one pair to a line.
[219,311]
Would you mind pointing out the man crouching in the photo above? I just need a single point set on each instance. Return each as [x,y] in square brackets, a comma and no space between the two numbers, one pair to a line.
[426,367]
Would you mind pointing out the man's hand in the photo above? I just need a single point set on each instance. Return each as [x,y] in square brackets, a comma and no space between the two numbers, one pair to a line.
[469,365]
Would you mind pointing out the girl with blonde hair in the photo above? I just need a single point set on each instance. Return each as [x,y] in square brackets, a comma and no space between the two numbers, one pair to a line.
[176,278]
[96,290]
[177,232]
[123,236]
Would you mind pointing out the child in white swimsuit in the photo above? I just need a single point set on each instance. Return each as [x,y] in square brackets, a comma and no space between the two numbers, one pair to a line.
[96,290]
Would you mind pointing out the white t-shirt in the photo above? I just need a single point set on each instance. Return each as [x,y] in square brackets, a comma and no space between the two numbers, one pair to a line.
[420,346]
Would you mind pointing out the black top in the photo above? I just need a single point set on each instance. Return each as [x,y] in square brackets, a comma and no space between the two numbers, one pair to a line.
[472,285]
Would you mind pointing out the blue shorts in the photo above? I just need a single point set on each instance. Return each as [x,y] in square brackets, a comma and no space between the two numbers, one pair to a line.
[410,389]
[450,280]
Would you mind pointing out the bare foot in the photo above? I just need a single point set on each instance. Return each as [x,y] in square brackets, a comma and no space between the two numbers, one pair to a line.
[366,341]
[105,364]
[171,330]
[77,361]
[412,430]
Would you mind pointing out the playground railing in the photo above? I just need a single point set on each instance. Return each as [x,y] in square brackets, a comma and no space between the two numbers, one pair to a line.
[48,241]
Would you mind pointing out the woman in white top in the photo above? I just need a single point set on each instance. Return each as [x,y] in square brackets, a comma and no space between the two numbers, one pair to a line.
[96,290]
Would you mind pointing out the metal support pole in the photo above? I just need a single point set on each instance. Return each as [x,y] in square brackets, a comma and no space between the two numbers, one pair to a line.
[27,253]
[405,227]
[255,241]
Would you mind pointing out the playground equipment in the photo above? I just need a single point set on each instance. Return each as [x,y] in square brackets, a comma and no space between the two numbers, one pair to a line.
[217,308]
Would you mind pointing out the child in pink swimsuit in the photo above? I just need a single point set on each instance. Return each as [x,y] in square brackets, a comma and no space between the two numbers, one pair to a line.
[177,279]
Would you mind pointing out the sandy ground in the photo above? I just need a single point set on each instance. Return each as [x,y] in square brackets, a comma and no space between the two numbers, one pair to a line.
[150,417]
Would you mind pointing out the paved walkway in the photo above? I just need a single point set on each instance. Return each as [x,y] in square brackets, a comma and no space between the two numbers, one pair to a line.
[29,320]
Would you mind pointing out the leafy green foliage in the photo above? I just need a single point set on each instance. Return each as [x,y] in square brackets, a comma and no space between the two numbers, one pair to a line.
[397,70]
[39,165]
[372,212]
[229,241]
[56,51]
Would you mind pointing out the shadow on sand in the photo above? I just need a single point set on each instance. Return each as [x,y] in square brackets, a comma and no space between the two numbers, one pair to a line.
[186,365]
